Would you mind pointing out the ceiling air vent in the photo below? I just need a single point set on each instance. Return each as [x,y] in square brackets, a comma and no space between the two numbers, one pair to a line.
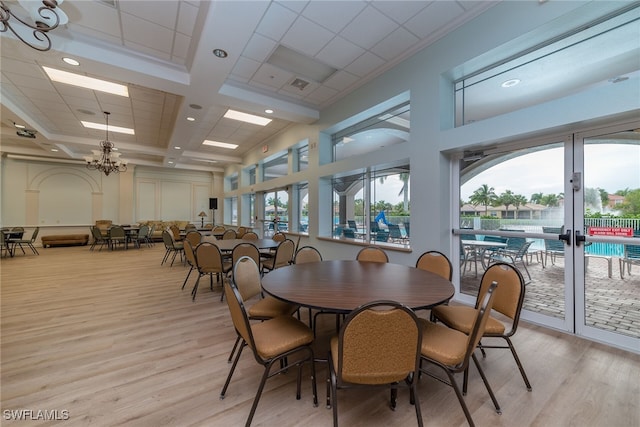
[299,83]
[26,133]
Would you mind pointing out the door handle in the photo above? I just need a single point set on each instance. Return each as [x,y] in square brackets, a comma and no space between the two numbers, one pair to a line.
[580,238]
[566,237]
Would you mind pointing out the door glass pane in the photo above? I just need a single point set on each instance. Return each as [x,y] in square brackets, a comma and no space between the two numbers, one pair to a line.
[521,191]
[612,208]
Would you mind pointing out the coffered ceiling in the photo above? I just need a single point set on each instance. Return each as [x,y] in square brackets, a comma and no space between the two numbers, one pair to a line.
[163,52]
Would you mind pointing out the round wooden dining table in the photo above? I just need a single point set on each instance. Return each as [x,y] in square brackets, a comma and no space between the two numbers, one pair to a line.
[341,286]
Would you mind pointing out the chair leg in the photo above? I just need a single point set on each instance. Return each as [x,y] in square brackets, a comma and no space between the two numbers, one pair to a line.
[394,397]
[520,367]
[486,384]
[460,398]
[187,278]
[334,398]
[195,288]
[233,368]
[416,401]
[233,350]
[256,399]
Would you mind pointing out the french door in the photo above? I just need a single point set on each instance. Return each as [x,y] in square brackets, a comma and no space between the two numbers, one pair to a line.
[576,201]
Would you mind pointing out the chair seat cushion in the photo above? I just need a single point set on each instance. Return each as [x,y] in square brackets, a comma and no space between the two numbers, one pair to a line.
[279,335]
[270,307]
[442,344]
[461,318]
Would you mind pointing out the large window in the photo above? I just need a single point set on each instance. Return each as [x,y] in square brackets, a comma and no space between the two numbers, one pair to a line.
[231,210]
[528,73]
[382,130]
[373,205]
[233,181]
[302,196]
[276,166]
[276,212]
[302,157]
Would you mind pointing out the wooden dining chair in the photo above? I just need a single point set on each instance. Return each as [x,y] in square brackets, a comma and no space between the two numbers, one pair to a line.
[378,345]
[372,254]
[272,342]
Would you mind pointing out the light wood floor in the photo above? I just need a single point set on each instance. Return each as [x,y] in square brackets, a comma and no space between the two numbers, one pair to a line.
[111,338]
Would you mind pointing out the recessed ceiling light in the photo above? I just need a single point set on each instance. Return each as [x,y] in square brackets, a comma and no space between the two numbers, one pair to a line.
[177,147]
[70,61]
[102,126]
[86,82]
[268,111]
[220,53]
[170,162]
[191,119]
[220,144]
[510,83]
[55,150]
[248,118]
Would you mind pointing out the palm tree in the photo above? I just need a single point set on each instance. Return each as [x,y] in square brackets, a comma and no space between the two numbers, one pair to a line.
[537,198]
[506,199]
[404,177]
[550,200]
[519,200]
[484,196]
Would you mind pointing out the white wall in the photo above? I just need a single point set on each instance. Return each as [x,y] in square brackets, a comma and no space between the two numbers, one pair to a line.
[67,198]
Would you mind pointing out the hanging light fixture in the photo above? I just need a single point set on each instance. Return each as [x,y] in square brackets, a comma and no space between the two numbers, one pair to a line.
[45,15]
[106,159]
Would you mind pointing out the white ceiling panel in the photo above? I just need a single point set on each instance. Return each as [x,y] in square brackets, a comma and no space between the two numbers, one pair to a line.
[276,21]
[307,37]
[339,52]
[368,28]
[324,13]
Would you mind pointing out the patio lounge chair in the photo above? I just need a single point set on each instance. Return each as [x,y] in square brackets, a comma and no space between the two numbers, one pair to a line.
[552,247]
[631,256]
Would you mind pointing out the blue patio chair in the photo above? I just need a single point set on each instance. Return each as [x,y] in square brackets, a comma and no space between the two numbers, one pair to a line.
[394,232]
[512,254]
[382,236]
[552,247]
[349,233]
[631,256]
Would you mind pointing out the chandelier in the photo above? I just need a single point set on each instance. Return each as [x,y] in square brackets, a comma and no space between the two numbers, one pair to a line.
[106,159]
[45,15]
